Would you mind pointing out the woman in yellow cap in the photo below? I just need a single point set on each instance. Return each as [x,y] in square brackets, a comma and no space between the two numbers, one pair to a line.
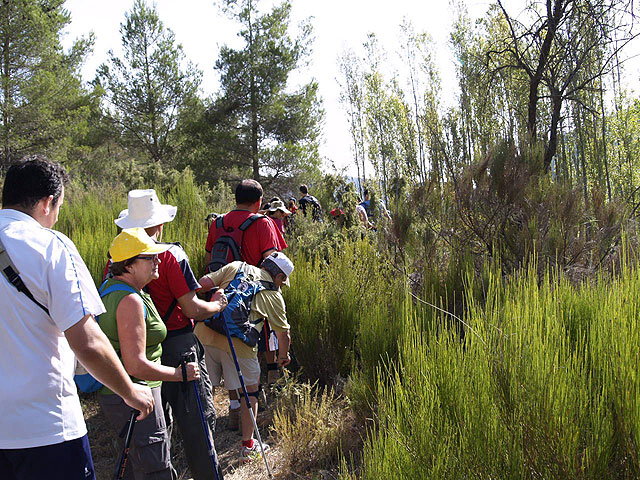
[136,330]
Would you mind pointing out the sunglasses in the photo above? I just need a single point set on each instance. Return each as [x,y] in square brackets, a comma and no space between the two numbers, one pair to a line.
[153,258]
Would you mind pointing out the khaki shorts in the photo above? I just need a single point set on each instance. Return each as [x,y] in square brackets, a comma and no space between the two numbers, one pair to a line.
[220,365]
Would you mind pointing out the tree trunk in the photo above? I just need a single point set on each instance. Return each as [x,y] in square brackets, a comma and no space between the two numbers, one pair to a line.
[553,17]
[604,142]
[255,164]
[552,146]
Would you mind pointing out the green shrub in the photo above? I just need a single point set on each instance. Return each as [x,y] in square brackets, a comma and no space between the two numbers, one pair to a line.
[547,389]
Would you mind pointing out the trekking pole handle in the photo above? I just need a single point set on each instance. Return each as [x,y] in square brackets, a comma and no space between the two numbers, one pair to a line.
[186,358]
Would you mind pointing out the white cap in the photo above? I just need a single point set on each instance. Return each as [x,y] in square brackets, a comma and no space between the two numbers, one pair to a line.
[283,263]
[145,210]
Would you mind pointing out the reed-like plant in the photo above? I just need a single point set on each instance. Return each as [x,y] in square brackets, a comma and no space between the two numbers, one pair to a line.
[546,387]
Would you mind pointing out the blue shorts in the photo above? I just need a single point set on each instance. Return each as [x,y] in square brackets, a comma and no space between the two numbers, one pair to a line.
[70,460]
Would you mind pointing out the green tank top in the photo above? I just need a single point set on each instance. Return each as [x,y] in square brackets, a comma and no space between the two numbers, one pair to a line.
[156,329]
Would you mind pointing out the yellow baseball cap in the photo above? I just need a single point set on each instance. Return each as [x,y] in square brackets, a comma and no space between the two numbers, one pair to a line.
[132,242]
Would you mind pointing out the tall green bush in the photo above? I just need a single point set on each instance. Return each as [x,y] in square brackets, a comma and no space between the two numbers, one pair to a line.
[547,388]
[348,306]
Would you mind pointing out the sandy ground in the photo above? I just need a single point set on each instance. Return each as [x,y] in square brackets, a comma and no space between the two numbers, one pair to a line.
[106,454]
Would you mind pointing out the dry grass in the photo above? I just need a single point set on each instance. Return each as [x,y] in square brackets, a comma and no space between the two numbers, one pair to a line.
[314,428]
[105,450]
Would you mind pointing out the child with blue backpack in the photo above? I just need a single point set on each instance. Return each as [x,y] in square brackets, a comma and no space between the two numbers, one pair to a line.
[254,296]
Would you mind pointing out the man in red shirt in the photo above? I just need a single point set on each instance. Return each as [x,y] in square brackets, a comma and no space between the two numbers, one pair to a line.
[260,239]
[256,243]
[174,295]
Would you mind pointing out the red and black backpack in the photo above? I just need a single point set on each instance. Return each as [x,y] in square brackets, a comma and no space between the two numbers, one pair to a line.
[228,246]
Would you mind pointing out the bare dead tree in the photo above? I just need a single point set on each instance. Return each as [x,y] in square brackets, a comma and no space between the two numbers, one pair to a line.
[564,47]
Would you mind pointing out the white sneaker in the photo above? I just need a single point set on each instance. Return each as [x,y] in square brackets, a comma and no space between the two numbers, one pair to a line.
[254,453]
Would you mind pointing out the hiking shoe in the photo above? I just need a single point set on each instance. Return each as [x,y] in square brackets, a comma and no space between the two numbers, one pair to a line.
[254,453]
[234,419]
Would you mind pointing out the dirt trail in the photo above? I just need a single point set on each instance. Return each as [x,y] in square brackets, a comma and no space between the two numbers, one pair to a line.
[105,451]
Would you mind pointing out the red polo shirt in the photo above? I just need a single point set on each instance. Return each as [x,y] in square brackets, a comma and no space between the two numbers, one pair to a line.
[263,235]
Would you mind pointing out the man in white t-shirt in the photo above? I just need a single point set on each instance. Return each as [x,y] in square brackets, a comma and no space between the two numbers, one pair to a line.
[42,430]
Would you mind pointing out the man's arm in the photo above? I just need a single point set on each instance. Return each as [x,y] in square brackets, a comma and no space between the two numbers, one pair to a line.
[194,307]
[284,342]
[95,353]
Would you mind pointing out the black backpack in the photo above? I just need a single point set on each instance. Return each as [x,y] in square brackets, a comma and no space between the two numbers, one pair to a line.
[228,246]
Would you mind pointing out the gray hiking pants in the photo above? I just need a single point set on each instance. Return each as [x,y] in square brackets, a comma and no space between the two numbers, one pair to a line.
[179,402]
[149,455]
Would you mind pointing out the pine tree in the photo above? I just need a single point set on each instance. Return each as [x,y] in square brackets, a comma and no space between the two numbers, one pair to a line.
[260,125]
[42,102]
[147,88]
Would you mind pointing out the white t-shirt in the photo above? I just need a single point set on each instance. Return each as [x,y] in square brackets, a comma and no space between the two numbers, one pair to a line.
[39,402]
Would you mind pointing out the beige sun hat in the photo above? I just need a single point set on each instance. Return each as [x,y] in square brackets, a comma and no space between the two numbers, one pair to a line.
[279,205]
[145,210]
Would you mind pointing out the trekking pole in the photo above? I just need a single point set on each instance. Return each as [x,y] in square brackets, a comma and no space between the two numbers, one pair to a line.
[246,399]
[122,464]
[186,357]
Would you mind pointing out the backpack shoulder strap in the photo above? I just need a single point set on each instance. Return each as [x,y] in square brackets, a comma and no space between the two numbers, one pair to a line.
[165,317]
[12,275]
[249,221]
[120,287]
[267,285]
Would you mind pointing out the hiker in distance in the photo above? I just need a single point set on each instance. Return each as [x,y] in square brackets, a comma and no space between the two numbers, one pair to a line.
[243,234]
[135,329]
[267,304]
[310,202]
[47,316]
[278,213]
[173,294]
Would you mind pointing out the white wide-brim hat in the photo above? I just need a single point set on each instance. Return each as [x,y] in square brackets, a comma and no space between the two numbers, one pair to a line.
[145,210]
[279,205]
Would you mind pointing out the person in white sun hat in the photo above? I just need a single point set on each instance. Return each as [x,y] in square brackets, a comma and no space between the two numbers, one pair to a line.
[174,295]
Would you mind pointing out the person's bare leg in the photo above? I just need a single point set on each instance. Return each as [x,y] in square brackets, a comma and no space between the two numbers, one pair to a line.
[234,412]
[245,417]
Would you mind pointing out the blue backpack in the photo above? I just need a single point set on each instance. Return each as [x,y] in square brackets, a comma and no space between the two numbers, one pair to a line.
[84,380]
[235,317]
